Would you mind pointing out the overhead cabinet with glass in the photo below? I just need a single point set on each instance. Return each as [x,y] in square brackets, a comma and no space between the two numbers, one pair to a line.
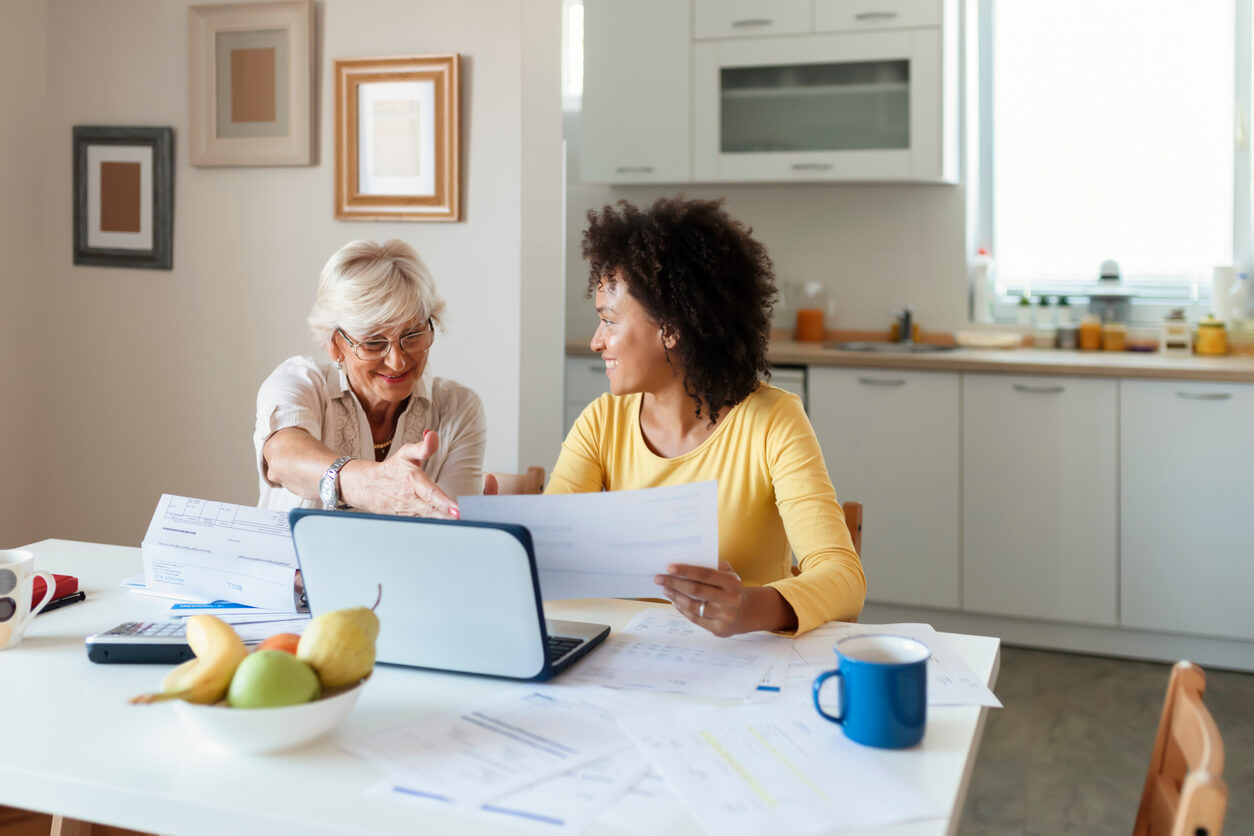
[796,90]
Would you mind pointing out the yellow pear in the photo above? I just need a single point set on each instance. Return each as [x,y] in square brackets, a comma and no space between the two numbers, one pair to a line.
[339,645]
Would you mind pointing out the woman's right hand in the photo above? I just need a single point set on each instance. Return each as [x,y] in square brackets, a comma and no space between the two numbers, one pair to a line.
[398,485]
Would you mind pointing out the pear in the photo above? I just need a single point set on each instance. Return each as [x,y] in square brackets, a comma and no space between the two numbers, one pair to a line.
[339,645]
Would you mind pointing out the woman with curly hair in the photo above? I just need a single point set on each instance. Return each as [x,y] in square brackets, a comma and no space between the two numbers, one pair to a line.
[684,295]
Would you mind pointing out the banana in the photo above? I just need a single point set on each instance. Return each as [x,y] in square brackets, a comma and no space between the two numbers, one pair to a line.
[205,679]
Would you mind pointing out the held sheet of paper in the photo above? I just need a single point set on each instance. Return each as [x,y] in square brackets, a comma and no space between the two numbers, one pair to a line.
[212,551]
[609,544]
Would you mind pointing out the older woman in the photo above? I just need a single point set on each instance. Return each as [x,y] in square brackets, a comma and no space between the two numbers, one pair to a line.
[371,430]
[684,296]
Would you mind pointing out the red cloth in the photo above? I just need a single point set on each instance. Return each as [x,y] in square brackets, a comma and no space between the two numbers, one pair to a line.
[65,585]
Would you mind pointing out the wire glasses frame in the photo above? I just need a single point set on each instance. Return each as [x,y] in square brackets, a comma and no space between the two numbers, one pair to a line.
[412,343]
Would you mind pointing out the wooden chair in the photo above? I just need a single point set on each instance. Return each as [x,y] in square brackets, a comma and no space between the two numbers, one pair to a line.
[853,520]
[1184,791]
[530,482]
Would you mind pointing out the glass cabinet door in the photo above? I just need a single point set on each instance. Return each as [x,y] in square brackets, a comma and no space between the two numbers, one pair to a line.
[833,106]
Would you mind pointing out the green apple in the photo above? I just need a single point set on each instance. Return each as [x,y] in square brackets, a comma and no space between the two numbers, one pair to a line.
[270,678]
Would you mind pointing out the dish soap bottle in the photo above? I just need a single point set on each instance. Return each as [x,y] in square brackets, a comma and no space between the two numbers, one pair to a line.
[984,291]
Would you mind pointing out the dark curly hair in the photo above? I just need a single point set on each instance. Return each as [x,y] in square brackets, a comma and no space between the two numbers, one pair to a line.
[699,274]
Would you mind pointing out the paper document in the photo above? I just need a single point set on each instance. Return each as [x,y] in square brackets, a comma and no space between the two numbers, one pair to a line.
[757,769]
[660,650]
[609,544]
[212,551]
[501,747]
[649,808]
[950,681]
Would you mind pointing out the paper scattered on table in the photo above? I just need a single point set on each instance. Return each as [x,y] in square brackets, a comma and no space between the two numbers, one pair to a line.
[183,609]
[565,803]
[609,544]
[649,808]
[660,650]
[950,681]
[252,632]
[501,747]
[756,769]
[211,551]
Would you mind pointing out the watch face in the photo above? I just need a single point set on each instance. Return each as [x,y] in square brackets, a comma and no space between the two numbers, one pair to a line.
[326,490]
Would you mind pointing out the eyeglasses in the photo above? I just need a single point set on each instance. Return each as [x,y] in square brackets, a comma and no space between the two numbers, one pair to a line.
[411,344]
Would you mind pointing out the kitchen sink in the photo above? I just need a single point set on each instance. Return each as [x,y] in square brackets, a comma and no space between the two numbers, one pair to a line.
[890,348]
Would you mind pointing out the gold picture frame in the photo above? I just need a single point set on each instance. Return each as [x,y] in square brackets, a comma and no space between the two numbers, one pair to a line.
[398,138]
[250,67]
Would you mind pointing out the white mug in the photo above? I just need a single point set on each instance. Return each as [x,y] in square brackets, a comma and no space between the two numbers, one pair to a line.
[17,583]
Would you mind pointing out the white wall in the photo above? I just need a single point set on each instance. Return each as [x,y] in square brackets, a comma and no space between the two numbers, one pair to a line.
[875,248]
[159,396]
[24,374]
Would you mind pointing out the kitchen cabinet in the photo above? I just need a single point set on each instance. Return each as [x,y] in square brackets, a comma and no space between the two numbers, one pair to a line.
[1187,554]
[585,382]
[890,440]
[636,92]
[750,18]
[1040,497]
[855,15]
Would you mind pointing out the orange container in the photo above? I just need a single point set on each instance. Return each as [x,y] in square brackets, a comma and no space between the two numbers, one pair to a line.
[1091,334]
[1114,336]
[810,325]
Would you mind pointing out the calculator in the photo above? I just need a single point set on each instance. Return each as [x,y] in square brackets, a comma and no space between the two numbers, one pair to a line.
[141,642]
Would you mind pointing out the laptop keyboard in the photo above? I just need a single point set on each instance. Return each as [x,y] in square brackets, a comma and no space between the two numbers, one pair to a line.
[558,647]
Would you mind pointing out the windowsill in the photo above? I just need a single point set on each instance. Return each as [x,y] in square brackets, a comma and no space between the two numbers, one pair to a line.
[1145,312]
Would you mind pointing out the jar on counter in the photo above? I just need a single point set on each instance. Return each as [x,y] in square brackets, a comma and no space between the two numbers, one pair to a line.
[1045,336]
[1212,336]
[1241,340]
[1114,336]
[1068,336]
[1090,333]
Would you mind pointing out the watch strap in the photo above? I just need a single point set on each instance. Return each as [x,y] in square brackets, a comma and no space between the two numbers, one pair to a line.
[332,480]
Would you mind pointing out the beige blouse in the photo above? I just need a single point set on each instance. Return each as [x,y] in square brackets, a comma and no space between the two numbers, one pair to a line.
[316,397]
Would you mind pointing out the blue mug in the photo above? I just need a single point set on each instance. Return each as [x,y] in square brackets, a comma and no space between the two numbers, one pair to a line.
[883,690]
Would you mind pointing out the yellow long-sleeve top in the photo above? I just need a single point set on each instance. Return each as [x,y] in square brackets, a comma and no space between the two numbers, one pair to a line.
[773,490]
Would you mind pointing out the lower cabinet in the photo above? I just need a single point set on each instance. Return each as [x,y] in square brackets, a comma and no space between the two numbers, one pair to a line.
[890,440]
[1040,497]
[1187,523]
[585,382]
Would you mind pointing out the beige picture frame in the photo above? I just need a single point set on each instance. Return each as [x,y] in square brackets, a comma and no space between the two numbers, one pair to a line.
[398,138]
[251,70]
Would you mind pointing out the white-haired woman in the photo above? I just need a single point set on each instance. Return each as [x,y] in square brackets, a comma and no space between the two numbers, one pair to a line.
[371,430]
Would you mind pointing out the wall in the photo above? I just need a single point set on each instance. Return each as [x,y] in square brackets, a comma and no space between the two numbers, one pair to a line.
[874,248]
[24,372]
[159,396]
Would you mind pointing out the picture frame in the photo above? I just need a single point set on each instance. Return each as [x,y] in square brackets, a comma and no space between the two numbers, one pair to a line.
[251,69]
[124,196]
[398,138]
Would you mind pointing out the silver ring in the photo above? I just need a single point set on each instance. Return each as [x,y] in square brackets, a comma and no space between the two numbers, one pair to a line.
[701,611]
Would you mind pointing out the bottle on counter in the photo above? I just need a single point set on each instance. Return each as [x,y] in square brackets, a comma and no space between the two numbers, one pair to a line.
[1114,336]
[1044,313]
[1062,313]
[1090,333]
[1212,336]
[983,287]
[1024,310]
[1176,336]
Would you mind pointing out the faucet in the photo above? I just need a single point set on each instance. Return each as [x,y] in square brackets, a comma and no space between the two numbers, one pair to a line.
[905,333]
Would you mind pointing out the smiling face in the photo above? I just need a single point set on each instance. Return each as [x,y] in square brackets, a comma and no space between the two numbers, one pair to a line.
[387,380]
[631,343]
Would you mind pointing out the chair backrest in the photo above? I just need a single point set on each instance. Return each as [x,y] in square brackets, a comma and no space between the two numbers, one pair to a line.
[1184,791]
[530,482]
[853,519]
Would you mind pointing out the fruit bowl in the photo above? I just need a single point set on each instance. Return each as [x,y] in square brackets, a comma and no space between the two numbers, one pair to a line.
[261,731]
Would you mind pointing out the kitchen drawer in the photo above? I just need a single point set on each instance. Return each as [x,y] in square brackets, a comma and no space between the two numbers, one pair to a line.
[750,18]
[846,15]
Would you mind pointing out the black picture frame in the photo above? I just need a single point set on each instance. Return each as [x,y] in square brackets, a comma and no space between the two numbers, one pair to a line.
[161,140]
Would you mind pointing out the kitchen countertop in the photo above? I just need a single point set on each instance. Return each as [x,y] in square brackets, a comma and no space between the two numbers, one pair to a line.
[1011,361]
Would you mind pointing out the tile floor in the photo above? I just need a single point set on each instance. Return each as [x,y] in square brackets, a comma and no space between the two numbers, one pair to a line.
[1069,752]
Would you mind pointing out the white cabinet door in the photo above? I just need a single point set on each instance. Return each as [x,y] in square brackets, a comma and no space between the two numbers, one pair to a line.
[637,91]
[838,15]
[891,440]
[1187,535]
[1040,497]
[585,382]
[750,18]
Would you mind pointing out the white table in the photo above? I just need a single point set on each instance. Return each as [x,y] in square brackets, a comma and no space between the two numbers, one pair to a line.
[71,745]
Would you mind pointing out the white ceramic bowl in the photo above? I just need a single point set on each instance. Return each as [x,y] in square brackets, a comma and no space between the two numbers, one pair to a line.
[260,731]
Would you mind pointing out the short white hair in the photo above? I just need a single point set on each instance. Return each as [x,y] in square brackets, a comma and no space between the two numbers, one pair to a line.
[368,287]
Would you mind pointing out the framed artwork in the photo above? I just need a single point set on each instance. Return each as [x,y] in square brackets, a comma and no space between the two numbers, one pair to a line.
[251,71]
[397,138]
[124,197]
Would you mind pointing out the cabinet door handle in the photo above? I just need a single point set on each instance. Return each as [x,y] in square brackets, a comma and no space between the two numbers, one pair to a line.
[811,166]
[746,22]
[881,381]
[596,368]
[1039,390]
[875,16]
[634,169]
[1204,396]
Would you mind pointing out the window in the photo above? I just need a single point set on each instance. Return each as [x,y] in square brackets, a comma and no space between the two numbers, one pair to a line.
[1106,131]
[572,54]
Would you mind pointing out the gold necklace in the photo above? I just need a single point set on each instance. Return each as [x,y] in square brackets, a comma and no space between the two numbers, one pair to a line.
[383,445]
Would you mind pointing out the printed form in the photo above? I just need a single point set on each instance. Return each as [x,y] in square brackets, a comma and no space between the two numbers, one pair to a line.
[211,551]
[609,544]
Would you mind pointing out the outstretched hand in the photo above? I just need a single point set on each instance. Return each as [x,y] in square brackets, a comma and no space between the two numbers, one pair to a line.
[398,484]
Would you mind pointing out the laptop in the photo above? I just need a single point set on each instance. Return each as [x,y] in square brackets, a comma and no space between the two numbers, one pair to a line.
[456,596]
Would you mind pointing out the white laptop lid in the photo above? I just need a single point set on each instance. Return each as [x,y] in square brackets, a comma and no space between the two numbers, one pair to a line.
[457,596]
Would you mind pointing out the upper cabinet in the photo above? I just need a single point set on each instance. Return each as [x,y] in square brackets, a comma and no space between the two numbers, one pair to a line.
[636,92]
[779,91]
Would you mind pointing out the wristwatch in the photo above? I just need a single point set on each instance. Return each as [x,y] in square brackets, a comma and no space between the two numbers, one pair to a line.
[329,485]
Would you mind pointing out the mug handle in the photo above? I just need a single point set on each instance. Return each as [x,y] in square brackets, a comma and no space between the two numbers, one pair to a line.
[818,686]
[50,584]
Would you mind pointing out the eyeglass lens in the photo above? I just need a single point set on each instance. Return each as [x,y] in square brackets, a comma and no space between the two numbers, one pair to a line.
[411,343]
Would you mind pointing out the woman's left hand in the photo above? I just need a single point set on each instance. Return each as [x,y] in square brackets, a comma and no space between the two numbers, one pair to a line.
[711,598]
